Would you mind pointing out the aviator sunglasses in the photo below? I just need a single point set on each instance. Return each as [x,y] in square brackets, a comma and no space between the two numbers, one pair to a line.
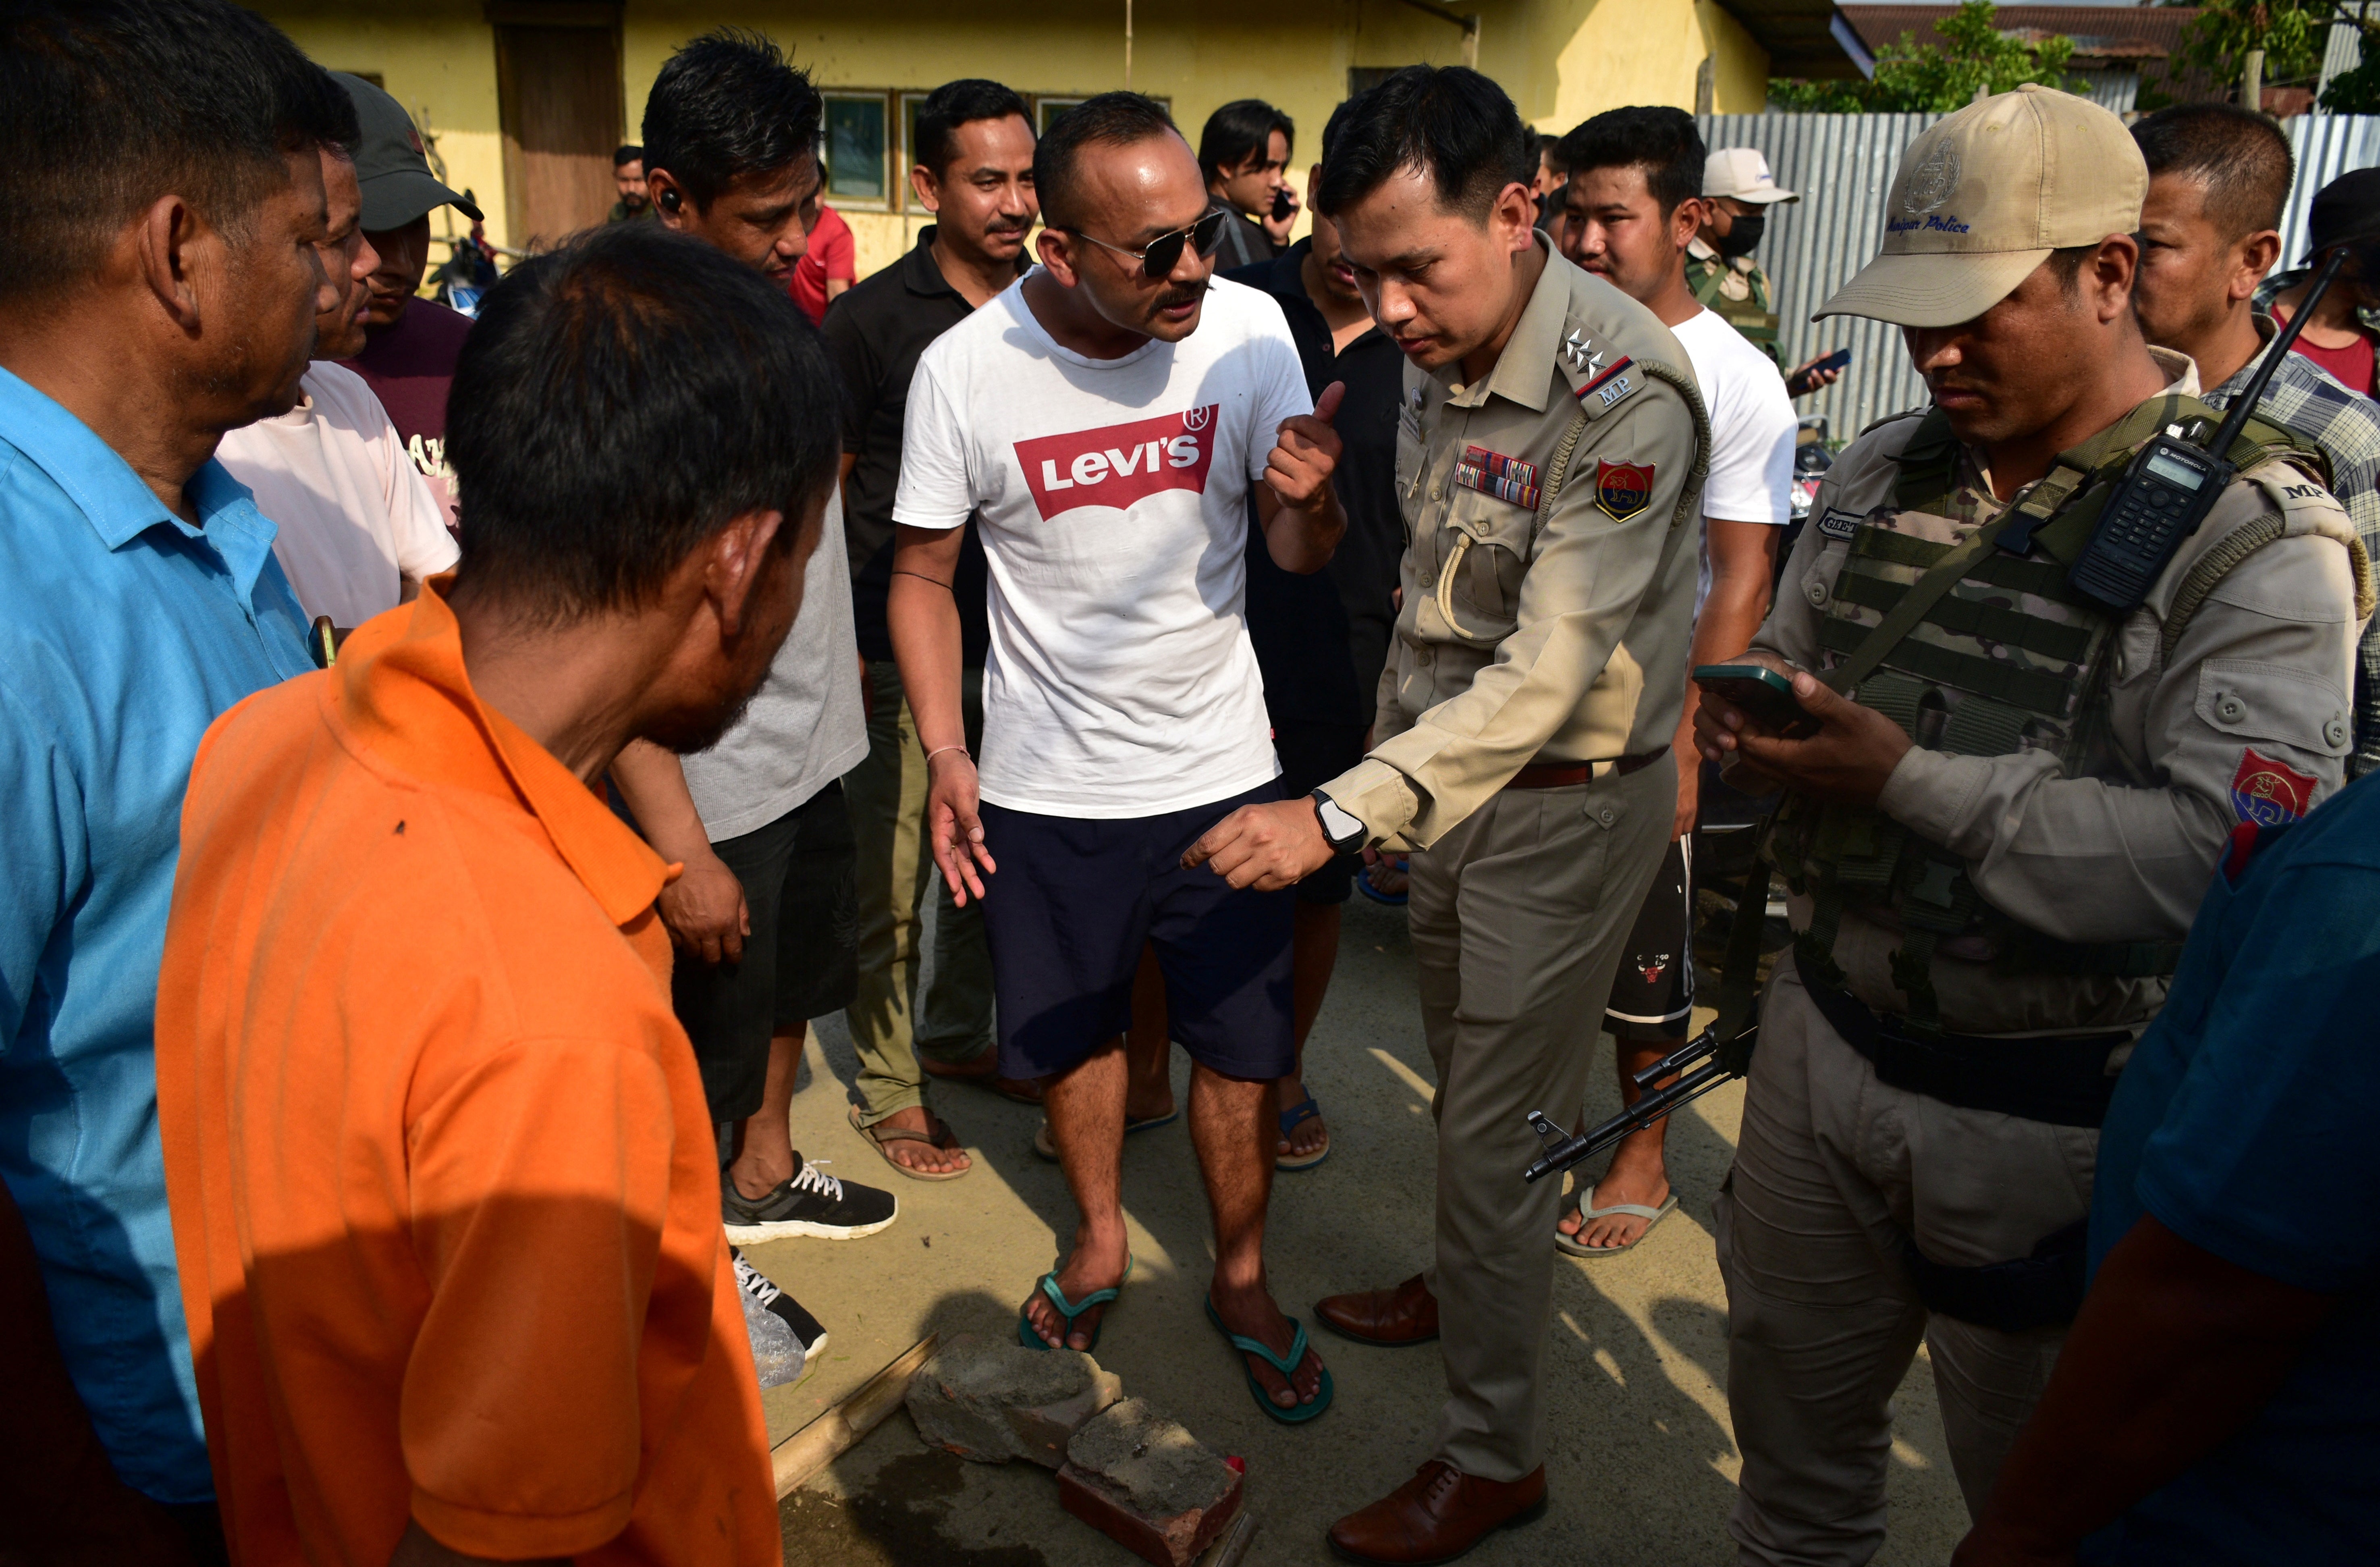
[1164,252]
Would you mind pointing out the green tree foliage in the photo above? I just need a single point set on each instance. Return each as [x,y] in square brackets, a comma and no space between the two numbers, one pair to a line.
[1930,79]
[2293,35]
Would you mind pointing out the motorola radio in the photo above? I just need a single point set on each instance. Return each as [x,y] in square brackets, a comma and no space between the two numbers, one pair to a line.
[2172,483]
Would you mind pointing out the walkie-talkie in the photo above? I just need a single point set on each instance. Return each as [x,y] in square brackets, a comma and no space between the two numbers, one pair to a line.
[2173,483]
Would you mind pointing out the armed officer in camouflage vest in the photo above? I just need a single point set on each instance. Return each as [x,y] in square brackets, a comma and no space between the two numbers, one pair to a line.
[1550,453]
[1994,840]
[1738,191]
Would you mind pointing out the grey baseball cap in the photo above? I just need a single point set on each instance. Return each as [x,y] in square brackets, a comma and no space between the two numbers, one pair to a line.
[390,164]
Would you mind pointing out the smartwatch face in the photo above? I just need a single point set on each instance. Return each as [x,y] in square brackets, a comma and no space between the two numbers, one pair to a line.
[1338,826]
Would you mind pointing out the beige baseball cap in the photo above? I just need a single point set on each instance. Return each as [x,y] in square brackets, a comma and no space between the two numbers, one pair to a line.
[1743,173]
[1985,195]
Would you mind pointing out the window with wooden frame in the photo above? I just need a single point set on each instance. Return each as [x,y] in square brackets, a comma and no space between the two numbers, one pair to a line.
[859,149]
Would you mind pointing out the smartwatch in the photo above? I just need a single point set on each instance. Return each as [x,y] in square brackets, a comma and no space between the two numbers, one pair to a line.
[1344,833]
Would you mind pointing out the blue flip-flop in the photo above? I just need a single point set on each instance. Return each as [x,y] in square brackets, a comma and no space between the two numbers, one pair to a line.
[1296,1414]
[1364,885]
[1295,1116]
[1070,1309]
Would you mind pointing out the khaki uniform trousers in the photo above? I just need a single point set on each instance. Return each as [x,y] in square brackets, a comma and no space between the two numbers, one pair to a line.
[887,796]
[1519,916]
[1832,1167]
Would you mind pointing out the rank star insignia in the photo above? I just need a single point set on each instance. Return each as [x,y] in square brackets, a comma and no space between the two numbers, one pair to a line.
[1579,352]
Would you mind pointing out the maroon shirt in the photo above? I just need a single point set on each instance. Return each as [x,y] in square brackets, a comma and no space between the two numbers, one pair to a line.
[410,365]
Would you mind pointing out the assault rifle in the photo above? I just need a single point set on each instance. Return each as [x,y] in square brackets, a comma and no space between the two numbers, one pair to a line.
[1721,1063]
[1723,1049]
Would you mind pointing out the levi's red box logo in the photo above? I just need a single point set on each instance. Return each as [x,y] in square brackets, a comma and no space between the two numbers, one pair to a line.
[1121,464]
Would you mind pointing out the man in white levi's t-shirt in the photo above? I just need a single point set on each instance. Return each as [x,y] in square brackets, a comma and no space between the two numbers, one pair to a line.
[1105,419]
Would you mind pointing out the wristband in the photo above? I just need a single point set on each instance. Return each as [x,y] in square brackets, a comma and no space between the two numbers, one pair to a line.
[938,750]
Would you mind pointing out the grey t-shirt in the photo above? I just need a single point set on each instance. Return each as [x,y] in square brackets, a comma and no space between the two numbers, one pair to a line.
[806,727]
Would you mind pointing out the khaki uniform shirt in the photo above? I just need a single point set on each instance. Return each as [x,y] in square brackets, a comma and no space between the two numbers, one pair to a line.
[1537,630]
[2122,853]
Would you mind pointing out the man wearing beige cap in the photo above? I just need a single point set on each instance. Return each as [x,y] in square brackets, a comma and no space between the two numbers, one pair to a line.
[1738,190]
[1996,835]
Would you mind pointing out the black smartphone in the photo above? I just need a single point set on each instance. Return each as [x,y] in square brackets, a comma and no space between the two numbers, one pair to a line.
[1283,203]
[1835,360]
[1761,692]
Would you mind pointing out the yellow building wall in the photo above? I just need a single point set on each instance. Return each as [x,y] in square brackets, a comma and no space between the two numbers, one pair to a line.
[438,58]
[1561,60]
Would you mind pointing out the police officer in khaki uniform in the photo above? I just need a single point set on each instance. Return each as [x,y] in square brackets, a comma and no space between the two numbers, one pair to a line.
[1994,842]
[1549,460]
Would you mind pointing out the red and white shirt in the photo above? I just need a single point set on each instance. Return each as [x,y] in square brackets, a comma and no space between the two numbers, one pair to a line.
[1113,499]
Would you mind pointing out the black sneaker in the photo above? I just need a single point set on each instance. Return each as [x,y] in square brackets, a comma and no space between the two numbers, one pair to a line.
[786,1339]
[810,1204]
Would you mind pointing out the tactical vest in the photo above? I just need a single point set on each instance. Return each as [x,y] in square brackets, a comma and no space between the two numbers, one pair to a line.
[1751,316]
[2007,659]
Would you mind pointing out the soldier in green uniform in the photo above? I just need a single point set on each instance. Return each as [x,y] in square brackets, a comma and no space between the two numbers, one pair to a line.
[1994,842]
[1738,190]
[1550,453]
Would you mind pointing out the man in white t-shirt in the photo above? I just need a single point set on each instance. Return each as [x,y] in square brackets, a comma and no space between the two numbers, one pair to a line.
[1105,419]
[1632,207]
[359,529]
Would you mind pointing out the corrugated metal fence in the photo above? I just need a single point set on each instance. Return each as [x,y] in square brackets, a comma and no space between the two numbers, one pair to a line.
[1842,166]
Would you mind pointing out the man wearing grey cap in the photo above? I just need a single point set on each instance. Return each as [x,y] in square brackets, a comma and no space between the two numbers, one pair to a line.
[410,344]
[1996,838]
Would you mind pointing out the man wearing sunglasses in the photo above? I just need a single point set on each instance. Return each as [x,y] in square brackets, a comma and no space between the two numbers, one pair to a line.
[1103,420]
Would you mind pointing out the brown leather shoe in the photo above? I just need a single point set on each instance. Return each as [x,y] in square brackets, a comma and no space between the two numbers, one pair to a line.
[1435,1516]
[1397,1319]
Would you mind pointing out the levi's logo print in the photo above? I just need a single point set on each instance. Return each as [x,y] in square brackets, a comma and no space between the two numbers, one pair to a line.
[1119,465]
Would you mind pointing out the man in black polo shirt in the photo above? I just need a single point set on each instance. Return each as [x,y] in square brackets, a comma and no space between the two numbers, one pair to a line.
[1321,640]
[975,173]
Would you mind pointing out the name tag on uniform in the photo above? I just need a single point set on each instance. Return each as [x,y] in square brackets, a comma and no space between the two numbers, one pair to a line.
[1836,523]
[1492,473]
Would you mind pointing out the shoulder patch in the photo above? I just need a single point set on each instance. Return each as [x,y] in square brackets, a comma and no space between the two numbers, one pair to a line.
[1838,524]
[1622,489]
[2269,793]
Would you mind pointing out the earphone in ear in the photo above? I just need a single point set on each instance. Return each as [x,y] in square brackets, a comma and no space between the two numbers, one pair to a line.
[671,199]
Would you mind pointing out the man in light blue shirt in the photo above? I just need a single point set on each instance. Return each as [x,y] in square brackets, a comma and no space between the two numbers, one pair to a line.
[159,277]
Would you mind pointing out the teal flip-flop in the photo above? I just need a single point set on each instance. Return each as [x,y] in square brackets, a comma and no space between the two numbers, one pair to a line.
[1070,1309]
[1296,1414]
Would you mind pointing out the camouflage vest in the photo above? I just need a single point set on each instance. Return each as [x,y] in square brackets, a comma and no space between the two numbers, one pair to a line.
[1739,298]
[2009,659]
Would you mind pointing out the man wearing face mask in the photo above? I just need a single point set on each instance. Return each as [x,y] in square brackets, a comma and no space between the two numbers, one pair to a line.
[358,528]
[1738,190]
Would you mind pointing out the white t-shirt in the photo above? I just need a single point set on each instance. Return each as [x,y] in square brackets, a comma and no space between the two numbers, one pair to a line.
[805,728]
[1752,430]
[353,512]
[1114,514]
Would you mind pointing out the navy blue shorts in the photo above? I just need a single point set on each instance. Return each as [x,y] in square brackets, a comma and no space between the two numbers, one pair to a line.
[1073,902]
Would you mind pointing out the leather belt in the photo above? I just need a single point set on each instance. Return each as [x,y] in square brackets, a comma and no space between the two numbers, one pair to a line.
[1566,775]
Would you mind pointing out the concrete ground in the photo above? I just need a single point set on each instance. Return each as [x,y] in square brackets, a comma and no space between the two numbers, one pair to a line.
[1643,1465]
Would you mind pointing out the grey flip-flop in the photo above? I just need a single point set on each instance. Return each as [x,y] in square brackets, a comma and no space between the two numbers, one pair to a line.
[941,1137]
[1651,1216]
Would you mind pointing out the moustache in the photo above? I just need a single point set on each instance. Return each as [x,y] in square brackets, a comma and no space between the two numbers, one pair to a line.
[1189,294]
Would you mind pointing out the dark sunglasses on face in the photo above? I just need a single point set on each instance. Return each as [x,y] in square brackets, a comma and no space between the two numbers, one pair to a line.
[1163,253]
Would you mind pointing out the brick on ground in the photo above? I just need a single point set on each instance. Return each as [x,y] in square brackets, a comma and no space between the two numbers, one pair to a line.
[992,1402]
[1147,1484]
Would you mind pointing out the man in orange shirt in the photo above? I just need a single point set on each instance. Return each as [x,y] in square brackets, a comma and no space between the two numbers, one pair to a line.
[444,1188]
